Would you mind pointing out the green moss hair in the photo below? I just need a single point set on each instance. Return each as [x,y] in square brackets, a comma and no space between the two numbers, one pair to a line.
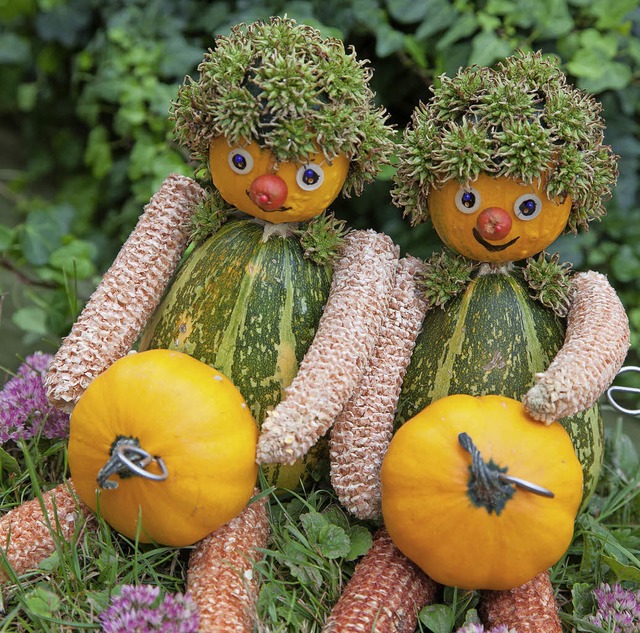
[520,119]
[282,85]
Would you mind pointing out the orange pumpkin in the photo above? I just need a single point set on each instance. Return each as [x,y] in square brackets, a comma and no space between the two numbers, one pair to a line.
[164,446]
[480,495]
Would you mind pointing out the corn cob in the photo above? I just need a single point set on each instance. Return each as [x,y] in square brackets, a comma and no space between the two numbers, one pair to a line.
[128,293]
[530,608]
[220,575]
[596,344]
[27,537]
[362,432]
[384,594]
[333,365]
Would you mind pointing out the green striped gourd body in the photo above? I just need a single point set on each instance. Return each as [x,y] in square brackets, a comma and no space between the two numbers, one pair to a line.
[247,302]
[493,339]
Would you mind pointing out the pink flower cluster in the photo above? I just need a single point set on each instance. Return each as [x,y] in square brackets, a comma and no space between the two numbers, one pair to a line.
[24,410]
[478,628]
[141,609]
[618,609]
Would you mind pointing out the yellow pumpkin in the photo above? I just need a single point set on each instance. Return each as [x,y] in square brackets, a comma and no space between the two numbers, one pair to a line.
[166,440]
[464,532]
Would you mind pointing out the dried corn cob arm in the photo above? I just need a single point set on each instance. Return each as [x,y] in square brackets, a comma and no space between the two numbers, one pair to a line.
[384,594]
[333,365]
[361,433]
[128,293]
[596,344]
[26,536]
[530,608]
[220,575]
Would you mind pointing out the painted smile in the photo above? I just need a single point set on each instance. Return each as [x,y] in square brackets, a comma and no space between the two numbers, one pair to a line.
[281,209]
[493,248]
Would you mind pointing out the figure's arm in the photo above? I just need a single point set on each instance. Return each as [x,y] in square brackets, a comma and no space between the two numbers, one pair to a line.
[596,344]
[335,361]
[361,434]
[128,293]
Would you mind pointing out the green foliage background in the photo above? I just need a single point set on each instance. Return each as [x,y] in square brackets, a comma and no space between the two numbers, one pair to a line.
[85,87]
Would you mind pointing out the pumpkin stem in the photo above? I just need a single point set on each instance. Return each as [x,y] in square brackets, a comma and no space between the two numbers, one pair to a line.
[129,459]
[489,486]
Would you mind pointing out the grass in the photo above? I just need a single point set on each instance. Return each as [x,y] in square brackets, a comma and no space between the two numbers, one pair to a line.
[313,550]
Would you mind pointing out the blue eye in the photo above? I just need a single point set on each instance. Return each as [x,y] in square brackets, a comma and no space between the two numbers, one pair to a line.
[310,177]
[527,206]
[467,200]
[240,160]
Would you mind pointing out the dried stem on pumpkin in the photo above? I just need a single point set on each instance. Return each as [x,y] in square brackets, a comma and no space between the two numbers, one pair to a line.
[27,536]
[128,293]
[220,574]
[596,344]
[384,594]
[333,365]
[362,432]
[530,608]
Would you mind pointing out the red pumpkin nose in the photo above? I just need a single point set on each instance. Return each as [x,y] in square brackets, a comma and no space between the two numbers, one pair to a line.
[268,191]
[493,224]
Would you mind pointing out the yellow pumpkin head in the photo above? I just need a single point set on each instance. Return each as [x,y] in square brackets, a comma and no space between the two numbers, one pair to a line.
[497,218]
[187,430]
[466,534]
[251,179]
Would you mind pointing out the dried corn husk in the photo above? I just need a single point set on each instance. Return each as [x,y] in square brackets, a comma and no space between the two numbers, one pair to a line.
[220,576]
[384,594]
[128,293]
[362,432]
[596,344]
[335,361]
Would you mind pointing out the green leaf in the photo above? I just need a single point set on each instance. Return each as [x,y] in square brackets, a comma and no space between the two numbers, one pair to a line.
[626,264]
[51,563]
[441,15]
[6,237]
[582,599]
[438,618]
[42,601]
[622,572]
[14,49]
[388,40]
[43,231]
[487,47]
[361,542]
[98,153]
[462,28]
[31,319]
[8,463]
[407,11]
[330,540]
[75,259]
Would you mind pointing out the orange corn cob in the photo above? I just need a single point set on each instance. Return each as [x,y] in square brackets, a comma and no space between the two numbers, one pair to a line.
[128,293]
[362,432]
[220,576]
[384,594]
[530,608]
[335,361]
[596,344]
[26,536]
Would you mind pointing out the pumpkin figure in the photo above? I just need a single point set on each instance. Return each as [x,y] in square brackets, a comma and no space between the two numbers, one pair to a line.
[283,121]
[502,161]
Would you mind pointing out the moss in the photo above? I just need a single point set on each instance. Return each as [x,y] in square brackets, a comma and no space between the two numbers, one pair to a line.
[520,119]
[209,216]
[280,84]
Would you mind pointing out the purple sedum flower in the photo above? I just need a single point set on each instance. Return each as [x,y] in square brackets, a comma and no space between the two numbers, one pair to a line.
[141,609]
[24,409]
[618,609]
[478,628]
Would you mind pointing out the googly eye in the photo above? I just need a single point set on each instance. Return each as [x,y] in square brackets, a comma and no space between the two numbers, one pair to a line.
[468,200]
[240,160]
[527,206]
[310,177]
